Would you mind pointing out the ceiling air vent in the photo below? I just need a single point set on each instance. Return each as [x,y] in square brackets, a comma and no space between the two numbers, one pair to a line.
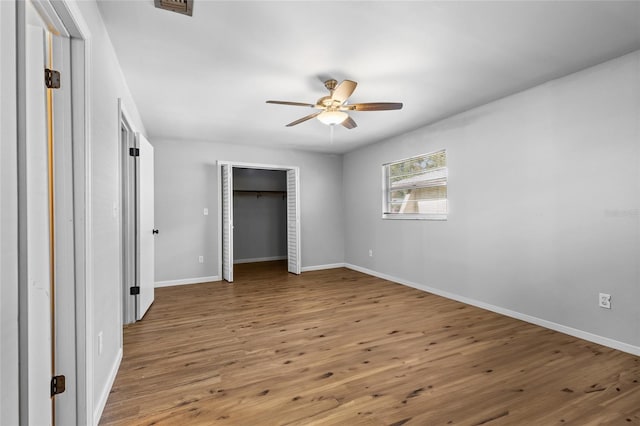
[181,6]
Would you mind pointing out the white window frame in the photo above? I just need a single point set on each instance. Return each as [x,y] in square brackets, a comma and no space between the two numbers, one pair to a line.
[409,216]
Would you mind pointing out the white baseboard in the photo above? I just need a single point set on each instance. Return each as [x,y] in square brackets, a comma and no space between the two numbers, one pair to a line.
[259,259]
[186,281]
[585,335]
[321,267]
[102,402]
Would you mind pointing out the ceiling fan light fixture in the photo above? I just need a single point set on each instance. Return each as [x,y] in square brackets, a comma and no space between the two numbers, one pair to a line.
[331,118]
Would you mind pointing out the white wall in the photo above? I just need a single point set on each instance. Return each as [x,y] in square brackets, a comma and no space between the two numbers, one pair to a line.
[186,182]
[259,219]
[259,227]
[259,180]
[107,84]
[8,219]
[544,191]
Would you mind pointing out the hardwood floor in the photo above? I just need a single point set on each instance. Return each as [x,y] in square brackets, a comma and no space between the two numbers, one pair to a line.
[338,347]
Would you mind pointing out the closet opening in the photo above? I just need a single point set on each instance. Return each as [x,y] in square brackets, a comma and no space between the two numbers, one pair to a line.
[260,219]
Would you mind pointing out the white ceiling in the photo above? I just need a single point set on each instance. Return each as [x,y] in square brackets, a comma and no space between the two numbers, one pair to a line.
[207,77]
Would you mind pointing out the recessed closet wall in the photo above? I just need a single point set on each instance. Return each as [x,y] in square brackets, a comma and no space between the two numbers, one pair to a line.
[259,215]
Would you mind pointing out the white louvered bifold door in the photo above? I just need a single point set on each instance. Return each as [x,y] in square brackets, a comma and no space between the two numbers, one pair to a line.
[227,222]
[293,222]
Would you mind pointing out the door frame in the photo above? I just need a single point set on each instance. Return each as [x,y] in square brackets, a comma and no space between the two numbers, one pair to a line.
[243,165]
[80,329]
[129,224]
[128,216]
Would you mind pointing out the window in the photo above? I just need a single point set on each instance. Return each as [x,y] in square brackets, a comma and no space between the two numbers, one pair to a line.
[416,188]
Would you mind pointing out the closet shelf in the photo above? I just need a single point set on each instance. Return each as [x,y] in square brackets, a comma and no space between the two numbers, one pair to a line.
[259,193]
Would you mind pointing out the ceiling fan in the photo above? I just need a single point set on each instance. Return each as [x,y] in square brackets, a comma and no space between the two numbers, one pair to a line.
[333,108]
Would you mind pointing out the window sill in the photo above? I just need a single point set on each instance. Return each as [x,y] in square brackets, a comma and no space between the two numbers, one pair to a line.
[414,216]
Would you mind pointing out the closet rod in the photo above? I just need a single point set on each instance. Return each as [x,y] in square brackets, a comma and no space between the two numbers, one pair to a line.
[246,190]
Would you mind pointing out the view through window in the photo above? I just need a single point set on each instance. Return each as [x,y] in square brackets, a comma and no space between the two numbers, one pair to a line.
[416,188]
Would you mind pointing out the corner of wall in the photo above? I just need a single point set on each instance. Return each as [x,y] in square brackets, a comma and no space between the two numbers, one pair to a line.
[104,394]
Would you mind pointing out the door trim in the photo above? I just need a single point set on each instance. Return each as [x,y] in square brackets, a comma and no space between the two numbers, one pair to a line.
[81,98]
[233,164]
[71,18]
[127,220]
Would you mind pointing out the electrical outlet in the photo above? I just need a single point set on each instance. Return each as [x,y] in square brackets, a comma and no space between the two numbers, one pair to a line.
[201,259]
[604,300]
[206,211]
[100,343]
[370,252]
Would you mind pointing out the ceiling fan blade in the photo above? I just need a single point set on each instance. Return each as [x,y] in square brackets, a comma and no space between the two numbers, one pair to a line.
[349,123]
[291,103]
[374,106]
[343,91]
[303,119]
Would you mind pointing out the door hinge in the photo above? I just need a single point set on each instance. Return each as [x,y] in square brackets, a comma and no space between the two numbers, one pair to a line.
[57,385]
[51,78]
[134,290]
[134,152]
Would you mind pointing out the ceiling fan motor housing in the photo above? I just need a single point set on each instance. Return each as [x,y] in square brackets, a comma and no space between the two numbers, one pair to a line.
[328,102]
[331,84]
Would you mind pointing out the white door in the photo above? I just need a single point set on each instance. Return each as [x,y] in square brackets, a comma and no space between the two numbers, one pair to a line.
[227,222]
[146,229]
[38,232]
[293,221]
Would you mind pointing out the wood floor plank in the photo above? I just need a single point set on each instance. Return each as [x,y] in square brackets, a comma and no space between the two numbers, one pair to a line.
[339,347]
